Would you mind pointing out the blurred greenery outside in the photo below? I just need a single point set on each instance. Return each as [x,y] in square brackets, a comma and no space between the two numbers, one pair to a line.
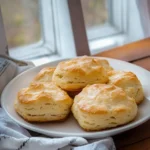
[22,23]
[95,12]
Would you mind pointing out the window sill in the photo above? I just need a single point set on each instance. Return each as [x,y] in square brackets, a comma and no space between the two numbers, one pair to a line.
[32,51]
[102,31]
[45,59]
[107,43]
[96,46]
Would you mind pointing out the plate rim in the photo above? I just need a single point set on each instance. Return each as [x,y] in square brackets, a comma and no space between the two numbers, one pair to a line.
[116,130]
[87,135]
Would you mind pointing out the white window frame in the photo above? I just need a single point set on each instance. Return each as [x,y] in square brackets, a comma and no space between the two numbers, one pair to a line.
[117,27]
[46,45]
[52,10]
[65,46]
[43,51]
[64,40]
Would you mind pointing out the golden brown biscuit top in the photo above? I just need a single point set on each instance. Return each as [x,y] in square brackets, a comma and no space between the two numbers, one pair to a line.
[123,78]
[43,91]
[45,75]
[84,64]
[103,98]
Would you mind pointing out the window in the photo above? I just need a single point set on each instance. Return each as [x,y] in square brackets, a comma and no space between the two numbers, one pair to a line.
[21,22]
[111,23]
[27,26]
[41,29]
[96,16]
[103,19]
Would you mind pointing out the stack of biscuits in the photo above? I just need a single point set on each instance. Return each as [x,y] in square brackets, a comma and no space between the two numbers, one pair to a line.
[98,96]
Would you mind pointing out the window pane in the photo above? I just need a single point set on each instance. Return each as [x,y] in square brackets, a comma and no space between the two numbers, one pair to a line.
[21,21]
[95,12]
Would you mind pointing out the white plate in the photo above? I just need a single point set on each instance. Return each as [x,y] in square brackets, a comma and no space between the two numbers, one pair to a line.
[70,127]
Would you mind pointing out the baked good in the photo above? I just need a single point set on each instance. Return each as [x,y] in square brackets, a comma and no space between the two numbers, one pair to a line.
[129,82]
[105,64]
[41,102]
[45,75]
[101,106]
[75,74]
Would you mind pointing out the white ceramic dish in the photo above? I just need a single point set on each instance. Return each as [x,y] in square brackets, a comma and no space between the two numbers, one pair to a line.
[70,127]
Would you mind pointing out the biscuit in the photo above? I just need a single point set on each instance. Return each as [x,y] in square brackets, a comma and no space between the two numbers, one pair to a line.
[129,82]
[75,74]
[102,106]
[45,75]
[42,102]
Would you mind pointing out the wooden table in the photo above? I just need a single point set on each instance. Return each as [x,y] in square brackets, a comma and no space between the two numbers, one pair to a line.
[137,53]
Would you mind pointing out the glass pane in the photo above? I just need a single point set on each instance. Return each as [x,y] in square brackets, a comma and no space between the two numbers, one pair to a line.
[95,12]
[21,21]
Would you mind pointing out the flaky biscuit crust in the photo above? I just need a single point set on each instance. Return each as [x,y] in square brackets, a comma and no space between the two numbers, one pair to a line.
[101,106]
[76,73]
[45,75]
[129,82]
[43,102]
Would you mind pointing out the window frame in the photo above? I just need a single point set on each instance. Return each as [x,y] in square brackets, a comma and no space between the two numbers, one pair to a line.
[46,45]
[116,22]
[62,45]
[118,26]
